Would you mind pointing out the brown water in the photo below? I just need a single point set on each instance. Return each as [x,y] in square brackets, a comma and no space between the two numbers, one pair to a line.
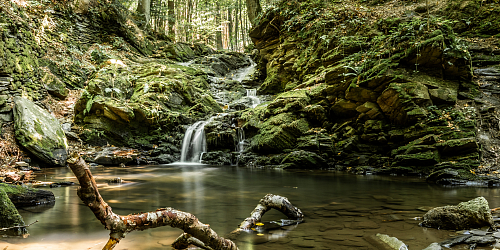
[341,211]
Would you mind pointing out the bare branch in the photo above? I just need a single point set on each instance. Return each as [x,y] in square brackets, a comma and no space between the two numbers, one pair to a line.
[121,225]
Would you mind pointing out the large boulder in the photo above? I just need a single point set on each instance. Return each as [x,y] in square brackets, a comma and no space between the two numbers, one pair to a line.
[471,214]
[39,132]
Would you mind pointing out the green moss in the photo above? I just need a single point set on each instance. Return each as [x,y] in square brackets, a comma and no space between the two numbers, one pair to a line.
[9,216]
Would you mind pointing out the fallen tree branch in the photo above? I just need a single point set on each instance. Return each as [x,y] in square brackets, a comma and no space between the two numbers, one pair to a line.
[269,201]
[121,225]
[7,228]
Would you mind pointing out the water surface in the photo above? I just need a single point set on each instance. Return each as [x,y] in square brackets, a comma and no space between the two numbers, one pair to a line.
[342,211]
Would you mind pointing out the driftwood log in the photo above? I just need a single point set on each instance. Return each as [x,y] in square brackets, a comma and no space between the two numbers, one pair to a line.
[195,232]
[121,225]
[269,201]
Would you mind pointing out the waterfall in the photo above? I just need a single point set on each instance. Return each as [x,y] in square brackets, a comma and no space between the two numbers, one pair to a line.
[240,147]
[243,73]
[194,143]
[252,94]
[240,135]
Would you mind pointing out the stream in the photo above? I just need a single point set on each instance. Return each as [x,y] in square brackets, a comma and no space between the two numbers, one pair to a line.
[342,211]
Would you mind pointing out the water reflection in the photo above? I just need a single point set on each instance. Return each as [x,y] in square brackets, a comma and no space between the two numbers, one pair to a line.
[342,211]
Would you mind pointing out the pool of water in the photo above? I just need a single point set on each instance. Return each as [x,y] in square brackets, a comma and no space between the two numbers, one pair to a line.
[342,211]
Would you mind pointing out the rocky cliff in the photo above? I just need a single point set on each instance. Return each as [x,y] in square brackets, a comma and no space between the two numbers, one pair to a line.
[368,91]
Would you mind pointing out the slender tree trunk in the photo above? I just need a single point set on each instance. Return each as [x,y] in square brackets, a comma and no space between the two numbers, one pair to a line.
[144,8]
[189,20]
[218,32]
[253,10]
[236,25]
[230,28]
[171,18]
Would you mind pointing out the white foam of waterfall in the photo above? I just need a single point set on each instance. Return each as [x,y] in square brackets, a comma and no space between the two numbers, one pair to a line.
[194,143]
[240,135]
[240,74]
[252,95]
[240,147]
[186,64]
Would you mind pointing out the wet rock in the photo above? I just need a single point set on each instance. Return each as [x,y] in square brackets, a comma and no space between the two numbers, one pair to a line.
[454,241]
[217,158]
[480,240]
[116,180]
[474,213]
[114,156]
[39,132]
[392,242]
[433,246]
[164,159]
[62,183]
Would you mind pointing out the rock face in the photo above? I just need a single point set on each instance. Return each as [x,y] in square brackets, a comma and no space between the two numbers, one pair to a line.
[471,214]
[39,132]
[396,112]
[137,103]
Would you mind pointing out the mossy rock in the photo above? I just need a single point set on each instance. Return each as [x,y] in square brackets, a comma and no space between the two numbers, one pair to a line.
[471,214]
[303,160]
[426,158]
[279,132]
[39,132]
[9,216]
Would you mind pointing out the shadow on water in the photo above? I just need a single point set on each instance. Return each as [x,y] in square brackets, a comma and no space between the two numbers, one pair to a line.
[341,211]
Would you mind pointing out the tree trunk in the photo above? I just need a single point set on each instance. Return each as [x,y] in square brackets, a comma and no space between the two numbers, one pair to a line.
[236,25]
[144,8]
[121,225]
[230,29]
[171,18]
[253,10]
[218,32]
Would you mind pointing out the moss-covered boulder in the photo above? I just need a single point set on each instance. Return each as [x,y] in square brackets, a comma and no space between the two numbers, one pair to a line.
[303,160]
[279,132]
[54,85]
[471,214]
[10,217]
[39,132]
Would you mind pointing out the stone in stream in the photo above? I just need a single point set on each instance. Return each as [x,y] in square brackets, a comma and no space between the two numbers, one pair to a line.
[10,217]
[472,214]
[39,132]
[384,241]
[433,246]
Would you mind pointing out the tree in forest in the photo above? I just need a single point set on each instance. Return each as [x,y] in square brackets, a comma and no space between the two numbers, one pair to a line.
[144,8]
[171,18]
[253,9]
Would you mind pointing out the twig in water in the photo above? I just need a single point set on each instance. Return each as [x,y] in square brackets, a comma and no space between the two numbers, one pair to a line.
[7,228]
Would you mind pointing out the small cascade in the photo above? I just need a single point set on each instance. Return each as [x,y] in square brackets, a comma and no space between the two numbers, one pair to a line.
[240,74]
[240,147]
[252,95]
[240,135]
[186,64]
[194,143]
